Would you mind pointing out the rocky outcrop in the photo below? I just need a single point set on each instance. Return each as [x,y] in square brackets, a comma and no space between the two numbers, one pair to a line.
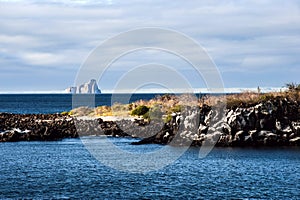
[87,88]
[51,127]
[272,123]
[97,127]
[42,127]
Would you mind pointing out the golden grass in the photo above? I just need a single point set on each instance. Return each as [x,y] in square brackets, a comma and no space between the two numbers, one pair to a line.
[174,103]
[250,98]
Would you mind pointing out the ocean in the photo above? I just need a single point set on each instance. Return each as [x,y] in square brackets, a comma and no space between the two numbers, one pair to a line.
[67,170]
[57,103]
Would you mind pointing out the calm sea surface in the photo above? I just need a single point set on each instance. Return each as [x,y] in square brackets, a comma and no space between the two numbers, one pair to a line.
[65,169]
[56,103]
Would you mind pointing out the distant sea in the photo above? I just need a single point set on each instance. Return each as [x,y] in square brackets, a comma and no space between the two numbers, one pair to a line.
[56,103]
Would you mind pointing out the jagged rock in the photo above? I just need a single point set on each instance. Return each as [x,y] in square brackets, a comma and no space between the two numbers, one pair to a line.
[203,128]
[28,127]
[295,141]
[296,127]
[272,123]
[90,87]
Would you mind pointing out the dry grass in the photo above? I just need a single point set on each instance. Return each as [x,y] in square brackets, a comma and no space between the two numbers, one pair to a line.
[247,99]
[82,111]
[103,111]
[174,103]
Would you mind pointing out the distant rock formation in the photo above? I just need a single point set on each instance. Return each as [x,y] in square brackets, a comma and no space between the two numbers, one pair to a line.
[87,88]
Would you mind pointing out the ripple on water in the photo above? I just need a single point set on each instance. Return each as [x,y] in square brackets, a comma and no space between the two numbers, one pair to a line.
[65,169]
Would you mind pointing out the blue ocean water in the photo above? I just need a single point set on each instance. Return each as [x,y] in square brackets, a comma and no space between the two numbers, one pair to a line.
[56,103]
[66,170]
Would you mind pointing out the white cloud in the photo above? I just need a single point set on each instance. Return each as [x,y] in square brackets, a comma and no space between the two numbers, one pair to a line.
[41,58]
[239,35]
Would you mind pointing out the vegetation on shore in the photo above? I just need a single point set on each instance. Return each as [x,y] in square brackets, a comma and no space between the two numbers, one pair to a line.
[252,119]
[164,106]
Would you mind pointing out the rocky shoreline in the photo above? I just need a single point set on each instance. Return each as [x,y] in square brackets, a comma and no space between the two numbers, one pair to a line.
[52,127]
[35,127]
[274,122]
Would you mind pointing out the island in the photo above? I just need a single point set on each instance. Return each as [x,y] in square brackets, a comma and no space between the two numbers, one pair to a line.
[248,119]
[90,87]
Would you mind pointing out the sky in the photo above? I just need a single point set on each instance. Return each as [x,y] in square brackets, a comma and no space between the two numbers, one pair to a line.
[43,44]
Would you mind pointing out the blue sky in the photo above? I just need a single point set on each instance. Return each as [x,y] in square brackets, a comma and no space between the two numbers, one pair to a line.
[43,43]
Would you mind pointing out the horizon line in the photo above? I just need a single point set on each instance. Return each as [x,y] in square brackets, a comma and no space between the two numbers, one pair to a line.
[154,90]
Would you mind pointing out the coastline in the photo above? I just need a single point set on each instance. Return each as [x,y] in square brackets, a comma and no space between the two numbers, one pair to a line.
[270,122]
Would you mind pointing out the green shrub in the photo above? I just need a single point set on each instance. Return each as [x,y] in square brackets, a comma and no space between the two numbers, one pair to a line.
[168,118]
[176,109]
[65,113]
[155,112]
[266,97]
[71,112]
[146,116]
[231,103]
[140,110]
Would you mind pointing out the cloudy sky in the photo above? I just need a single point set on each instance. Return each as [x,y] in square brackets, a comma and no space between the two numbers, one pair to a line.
[44,43]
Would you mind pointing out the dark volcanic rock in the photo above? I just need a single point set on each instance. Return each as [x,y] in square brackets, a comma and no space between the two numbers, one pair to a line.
[49,127]
[272,123]
[17,127]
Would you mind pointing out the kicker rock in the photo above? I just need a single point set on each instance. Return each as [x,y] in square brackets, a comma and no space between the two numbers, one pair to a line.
[71,90]
[87,88]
